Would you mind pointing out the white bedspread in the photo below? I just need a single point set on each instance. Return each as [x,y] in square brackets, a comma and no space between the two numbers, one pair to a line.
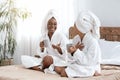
[110,52]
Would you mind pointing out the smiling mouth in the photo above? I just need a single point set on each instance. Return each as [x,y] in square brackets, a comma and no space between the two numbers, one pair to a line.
[51,29]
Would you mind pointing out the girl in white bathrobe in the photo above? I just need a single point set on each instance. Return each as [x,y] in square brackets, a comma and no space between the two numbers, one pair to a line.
[51,48]
[85,56]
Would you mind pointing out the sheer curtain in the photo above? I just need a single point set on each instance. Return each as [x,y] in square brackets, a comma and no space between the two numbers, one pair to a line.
[28,32]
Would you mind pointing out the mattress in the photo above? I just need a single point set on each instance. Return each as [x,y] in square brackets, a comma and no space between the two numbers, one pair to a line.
[18,72]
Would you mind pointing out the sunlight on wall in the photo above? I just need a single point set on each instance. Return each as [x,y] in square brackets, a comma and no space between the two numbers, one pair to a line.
[40,8]
[31,26]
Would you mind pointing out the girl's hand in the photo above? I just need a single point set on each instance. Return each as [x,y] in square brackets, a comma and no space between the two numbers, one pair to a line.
[72,49]
[79,46]
[57,47]
[42,46]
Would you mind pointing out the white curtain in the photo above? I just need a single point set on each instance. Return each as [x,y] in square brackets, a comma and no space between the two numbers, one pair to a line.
[28,32]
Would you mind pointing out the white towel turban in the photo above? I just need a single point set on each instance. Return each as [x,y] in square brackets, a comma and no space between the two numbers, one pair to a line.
[87,21]
[50,14]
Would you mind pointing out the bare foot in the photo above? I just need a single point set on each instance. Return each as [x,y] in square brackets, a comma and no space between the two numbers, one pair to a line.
[97,74]
[107,74]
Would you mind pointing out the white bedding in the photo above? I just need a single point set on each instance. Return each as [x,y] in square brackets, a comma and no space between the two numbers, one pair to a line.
[114,61]
[110,52]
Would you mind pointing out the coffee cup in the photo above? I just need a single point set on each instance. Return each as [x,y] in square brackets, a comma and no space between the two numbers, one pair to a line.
[68,46]
[46,43]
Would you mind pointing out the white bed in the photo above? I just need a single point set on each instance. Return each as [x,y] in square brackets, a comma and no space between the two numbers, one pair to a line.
[18,72]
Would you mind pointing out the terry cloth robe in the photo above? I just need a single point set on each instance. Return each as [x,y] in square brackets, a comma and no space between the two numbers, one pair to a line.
[85,62]
[57,38]
[59,59]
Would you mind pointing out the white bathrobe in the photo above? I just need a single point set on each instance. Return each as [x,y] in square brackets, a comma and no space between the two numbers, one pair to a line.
[85,62]
[59,59]
[57,38]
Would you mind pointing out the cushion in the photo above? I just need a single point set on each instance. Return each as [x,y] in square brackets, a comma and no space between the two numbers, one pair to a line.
[110,51]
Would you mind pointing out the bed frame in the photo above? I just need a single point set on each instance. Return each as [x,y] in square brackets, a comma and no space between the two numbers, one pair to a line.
[106,32]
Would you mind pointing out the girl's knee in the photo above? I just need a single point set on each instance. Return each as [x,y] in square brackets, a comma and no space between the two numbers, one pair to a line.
[47,61]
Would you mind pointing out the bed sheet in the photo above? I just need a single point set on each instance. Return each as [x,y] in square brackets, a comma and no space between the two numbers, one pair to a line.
[18,72]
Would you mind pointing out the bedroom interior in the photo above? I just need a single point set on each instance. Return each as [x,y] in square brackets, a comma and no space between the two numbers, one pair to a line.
[29,33]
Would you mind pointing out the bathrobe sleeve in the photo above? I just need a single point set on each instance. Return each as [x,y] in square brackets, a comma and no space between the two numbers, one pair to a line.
[39,50]
[64,42]
[91,56]
[61,39]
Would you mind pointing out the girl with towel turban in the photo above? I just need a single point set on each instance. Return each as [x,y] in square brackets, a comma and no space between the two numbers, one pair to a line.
[86,59]
[51,48]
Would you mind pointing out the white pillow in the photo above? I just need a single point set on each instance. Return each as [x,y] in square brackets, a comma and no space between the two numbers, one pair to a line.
[110,50]
[115,61]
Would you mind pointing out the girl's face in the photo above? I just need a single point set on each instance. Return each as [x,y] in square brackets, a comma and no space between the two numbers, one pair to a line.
[52,25]
[79,32]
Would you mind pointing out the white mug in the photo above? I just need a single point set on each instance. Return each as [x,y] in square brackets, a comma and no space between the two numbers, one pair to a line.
[46,43]
[69,45]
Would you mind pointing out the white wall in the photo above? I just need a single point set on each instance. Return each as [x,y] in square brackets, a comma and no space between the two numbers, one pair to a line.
[107,10]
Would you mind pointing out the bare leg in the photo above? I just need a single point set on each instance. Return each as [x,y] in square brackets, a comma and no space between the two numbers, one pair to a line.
[61,71]
[47,61]
[58,69]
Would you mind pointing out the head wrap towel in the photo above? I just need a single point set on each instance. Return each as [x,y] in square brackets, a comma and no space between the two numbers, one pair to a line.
[86,22]
[50,14]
